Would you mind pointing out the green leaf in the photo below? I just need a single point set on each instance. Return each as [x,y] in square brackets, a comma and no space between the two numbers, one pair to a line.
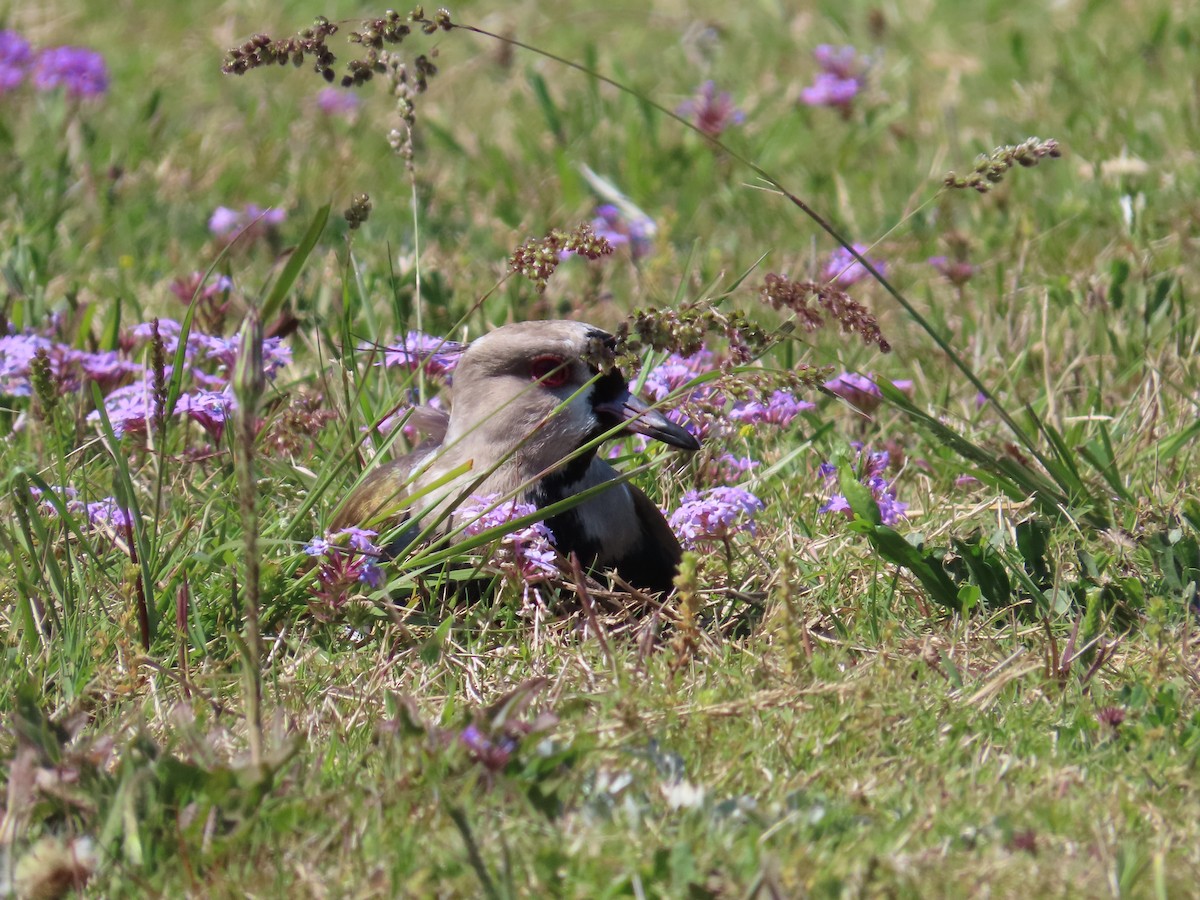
[546,104]
[859,496]
[127,498]
[1032,540]
[987,571]
[892,546]
[432,651]
[291,271]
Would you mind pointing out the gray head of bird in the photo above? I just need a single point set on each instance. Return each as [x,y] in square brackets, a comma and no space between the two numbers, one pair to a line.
[535,390]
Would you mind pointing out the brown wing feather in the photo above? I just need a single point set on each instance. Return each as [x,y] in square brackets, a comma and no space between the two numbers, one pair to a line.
[380,497]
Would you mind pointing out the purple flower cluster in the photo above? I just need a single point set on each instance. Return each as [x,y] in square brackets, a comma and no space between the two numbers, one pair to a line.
[699,409]
[16,356]
[492,752]
[253,221]
[711,111]
[957,271]
[861,391]
[704,409]
[838,82]
[79,71]
[15,58]
[871,466]
[620,228]
[714,515]
[70,366]
[844,270]
[105,514]
[194,286]
[526,552]
[780,409]
[133,407]
[417,350]
[675,371]
[334,101]
[347,561]
[222,351]
[725,469]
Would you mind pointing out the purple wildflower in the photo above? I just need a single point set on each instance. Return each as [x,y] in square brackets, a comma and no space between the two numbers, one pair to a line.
[224,220]
[726,469]
[128,408]
[318,546]
[714,515]
[861,391]
[840,61]
[338,102]
[780,409]
[15,57]
[493,755]
[701,408]
[105,367]
[838,82]
[221,350]
[80,71]
[132,407]
[870,466]
[957,271]
[711,111]
[844,270]
[108,513]
[276,355]
[16,355]
[253,221]
[105,514]
[210,409]
[676,371]
[527,551]
[169,331]
[829,90]
[891,510]
[46,506]
[619,228]
[360,539]
[371,575]
[437,356]
[187,288]
[346,559]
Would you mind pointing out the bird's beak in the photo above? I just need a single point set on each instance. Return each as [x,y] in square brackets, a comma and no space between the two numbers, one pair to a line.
[638,418]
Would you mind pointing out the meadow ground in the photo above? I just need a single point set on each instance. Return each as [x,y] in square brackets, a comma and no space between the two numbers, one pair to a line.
[938,634]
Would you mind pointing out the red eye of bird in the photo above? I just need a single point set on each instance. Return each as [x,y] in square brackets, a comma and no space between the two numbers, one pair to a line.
[551,371]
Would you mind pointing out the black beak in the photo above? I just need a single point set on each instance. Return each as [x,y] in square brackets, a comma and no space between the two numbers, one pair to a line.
[638,418]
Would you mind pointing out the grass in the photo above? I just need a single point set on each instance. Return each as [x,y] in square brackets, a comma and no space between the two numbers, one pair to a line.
[997,695]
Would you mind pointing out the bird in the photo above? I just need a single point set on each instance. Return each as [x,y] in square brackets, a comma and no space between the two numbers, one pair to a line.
[527,400]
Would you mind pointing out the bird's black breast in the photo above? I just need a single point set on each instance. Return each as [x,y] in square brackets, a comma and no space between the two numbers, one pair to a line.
[647,560]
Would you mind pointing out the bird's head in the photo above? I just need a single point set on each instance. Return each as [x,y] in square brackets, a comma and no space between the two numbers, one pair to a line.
[538,385]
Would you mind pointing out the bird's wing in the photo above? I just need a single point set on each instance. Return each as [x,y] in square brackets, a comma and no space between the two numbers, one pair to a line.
[431,422]
[381,497]
[653,562]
